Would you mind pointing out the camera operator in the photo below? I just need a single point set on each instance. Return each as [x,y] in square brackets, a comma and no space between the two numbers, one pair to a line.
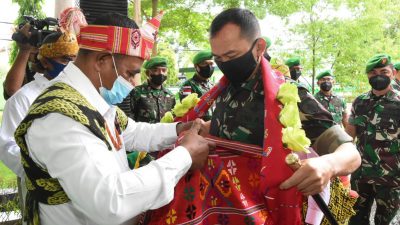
[24,66]
[56,51]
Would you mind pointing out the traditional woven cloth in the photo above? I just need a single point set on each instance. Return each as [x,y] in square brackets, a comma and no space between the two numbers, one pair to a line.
[66,45]
[240,183]
[125,41]
[63,99]
[72,19]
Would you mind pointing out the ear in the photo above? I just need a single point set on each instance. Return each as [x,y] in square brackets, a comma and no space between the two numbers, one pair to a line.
[260,46]
[197,68]
[101,61]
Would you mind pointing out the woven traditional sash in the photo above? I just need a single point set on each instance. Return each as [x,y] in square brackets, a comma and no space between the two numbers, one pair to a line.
[240,183]
[63,99]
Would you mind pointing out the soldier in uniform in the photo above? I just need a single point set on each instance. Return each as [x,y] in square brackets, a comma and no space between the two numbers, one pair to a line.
[150,101]
[333,103]
[200,82]
[375,121]
[237,51]
[294,67]
[396,81]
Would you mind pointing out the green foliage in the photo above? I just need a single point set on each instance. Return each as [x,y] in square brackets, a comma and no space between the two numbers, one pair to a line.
[26,7]
[343,44]
[330,41]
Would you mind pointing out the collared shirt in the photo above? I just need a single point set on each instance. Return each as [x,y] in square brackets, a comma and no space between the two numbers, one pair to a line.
[377,122]
[102,188]
[334,104]
[148,104]
[239,115]
[14,112]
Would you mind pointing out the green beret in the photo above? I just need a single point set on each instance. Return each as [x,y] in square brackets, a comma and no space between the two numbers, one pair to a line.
[155,62]
[295,61]
[201,56]
[325,74]
[378,61]
[268,40]
[397,66]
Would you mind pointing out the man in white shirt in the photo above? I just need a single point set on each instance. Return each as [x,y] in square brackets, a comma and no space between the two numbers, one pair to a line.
[68,156]
[57,50]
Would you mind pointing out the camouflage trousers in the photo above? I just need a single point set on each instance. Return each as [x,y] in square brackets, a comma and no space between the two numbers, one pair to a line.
[387,203]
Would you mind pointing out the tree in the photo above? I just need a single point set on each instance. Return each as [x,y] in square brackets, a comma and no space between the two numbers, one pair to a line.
[26,7]
[343,44]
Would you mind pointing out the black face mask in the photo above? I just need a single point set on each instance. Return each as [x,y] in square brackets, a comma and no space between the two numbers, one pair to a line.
[379,82]
[295,74]
[206,71]
[157,79]
[267,56]
[238,70]
[326,86]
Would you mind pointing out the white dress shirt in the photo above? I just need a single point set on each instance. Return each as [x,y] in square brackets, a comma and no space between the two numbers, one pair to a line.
[102,188]
[14,112]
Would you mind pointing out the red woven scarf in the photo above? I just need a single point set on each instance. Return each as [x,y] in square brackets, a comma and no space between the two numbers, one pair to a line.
[240,183]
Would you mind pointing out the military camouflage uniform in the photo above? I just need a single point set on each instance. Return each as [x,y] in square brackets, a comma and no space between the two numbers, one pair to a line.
[197,86]
[377,122]
[334,104]
[148,104]
[396,84]
[239,115]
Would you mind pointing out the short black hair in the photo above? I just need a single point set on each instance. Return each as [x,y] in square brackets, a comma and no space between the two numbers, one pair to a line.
[244,18]
[112,19]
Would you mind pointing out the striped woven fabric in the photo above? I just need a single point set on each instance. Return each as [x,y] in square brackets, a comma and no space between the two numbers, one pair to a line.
[121,40]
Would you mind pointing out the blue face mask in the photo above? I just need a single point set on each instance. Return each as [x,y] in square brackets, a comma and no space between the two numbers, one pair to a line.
[120,89]
[57,68]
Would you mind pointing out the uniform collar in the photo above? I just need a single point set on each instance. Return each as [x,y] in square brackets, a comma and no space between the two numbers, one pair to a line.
[323,95]
[391,95]
[74,77]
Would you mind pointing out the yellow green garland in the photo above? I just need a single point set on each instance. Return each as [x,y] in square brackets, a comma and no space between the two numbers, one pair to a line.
[293,137]
[181,108]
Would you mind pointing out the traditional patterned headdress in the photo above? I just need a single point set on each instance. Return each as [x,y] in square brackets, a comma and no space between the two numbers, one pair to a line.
[121,40]
[72,19]
[66,45]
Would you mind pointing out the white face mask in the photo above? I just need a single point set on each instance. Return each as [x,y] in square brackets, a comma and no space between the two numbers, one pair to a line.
[120,89]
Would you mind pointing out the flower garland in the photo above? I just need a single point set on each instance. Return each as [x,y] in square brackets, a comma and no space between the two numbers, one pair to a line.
[293,137]
[181,108]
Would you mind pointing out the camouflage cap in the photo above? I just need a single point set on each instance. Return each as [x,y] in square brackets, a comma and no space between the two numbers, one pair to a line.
[378,61]
[154,62]
[295,61]
[201,56]
[268,40]
[397,66]
[325,74]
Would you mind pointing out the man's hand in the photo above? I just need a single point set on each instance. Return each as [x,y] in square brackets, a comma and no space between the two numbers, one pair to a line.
[312,177]
[204,127]
[25,31]
[197,146]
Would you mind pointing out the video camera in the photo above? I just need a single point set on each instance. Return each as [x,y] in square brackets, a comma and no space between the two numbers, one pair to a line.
[40,28]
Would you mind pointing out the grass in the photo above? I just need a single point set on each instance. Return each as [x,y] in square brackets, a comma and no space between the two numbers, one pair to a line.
[7,177]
